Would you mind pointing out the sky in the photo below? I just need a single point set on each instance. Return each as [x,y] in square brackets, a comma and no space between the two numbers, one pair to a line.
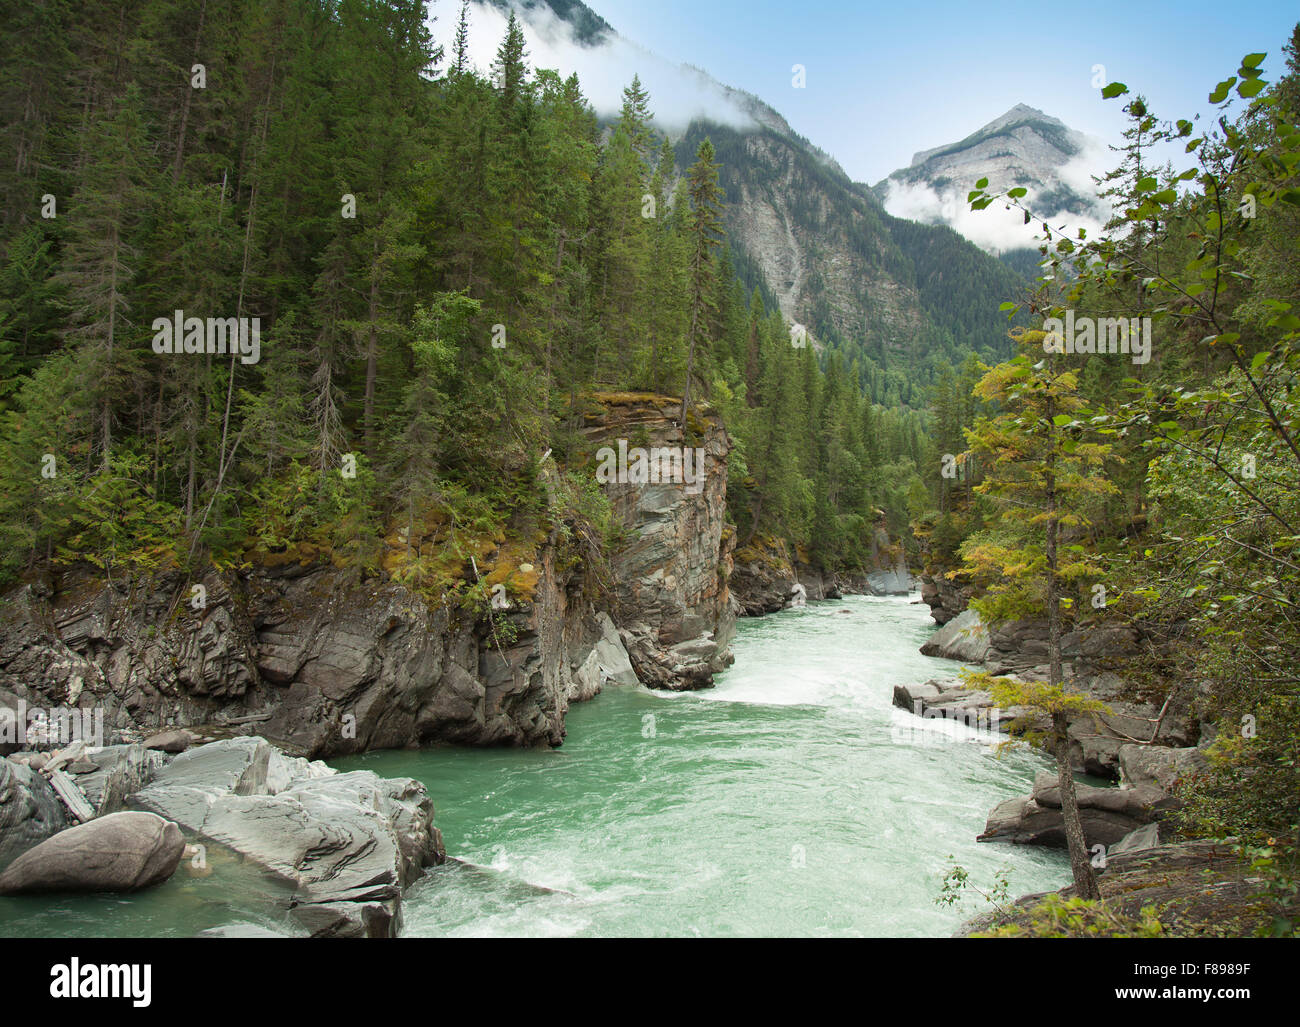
[884,81]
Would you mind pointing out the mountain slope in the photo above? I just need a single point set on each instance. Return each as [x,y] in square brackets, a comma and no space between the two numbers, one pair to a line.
[1023,147]
[897,296]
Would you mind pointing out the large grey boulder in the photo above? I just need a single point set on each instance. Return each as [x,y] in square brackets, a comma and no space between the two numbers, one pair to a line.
[119,771]
[895,582]
[606,662]
[1159,766]
[349,843]
[117,853]
[1107,814]
[30,811]
[965,637]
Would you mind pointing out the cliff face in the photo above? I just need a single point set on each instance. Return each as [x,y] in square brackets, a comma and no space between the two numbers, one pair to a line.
[670,572]
[324,661]
[315,657]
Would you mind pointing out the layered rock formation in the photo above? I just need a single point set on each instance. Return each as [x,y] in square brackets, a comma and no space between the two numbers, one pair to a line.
[350,844]
[1093,658]
[670,576]
[320,658]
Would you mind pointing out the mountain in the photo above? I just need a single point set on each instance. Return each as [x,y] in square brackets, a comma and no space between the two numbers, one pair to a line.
[900,297]
[1023,147]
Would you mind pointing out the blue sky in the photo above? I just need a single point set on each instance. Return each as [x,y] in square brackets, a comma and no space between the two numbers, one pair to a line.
[886,80]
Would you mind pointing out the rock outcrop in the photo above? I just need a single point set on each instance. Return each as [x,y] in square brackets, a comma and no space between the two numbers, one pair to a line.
[1091,655]
[30,811]
[318,657]
[767,574]
[946,596]
[670,579]
[1107,814]
[121,852]
[349,843]
[964,637]
[1194,889]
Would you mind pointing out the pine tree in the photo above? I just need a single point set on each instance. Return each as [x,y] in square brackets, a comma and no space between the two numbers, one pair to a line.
[706,199]
[1043,476]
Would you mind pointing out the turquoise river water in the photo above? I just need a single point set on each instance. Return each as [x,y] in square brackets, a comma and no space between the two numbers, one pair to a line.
[792,799]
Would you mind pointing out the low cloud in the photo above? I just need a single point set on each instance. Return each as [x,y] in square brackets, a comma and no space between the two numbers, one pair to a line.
[678,93]
[996,229]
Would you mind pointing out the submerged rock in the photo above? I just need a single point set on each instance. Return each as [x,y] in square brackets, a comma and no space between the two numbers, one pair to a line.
[117,853]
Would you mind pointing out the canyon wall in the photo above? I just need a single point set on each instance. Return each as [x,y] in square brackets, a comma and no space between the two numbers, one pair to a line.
[324,659]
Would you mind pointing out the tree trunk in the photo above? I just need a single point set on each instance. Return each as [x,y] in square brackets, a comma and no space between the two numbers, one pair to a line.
[372,357]
[1085,881]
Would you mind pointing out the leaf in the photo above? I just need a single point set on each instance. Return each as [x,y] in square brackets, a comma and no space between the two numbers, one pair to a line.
[1251,88]
[1252,60]
[1258,362]
[1017,192]
[1113,90]
[983,183]
[1221,90]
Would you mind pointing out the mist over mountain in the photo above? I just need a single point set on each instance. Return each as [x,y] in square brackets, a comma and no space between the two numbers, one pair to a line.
[1023,147]
[900,296]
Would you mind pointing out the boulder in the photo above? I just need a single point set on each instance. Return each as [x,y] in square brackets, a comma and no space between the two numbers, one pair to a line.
[30,811]
[894,582]
[914,698]
[121,852]
[965,637]
[349,843]
[176,740]
[1107,814]
[1159,766]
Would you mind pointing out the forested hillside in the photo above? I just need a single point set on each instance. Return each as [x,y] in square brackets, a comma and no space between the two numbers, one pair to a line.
[442,267]
[901,299]
[1156,484]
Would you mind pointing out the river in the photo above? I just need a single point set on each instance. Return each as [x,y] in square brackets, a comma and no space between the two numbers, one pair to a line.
[791,799]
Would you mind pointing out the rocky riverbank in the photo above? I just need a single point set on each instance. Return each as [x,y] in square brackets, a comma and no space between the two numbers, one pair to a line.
[1191,889]
[768,577]
[347,845]
[326,659]
[1148,746]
